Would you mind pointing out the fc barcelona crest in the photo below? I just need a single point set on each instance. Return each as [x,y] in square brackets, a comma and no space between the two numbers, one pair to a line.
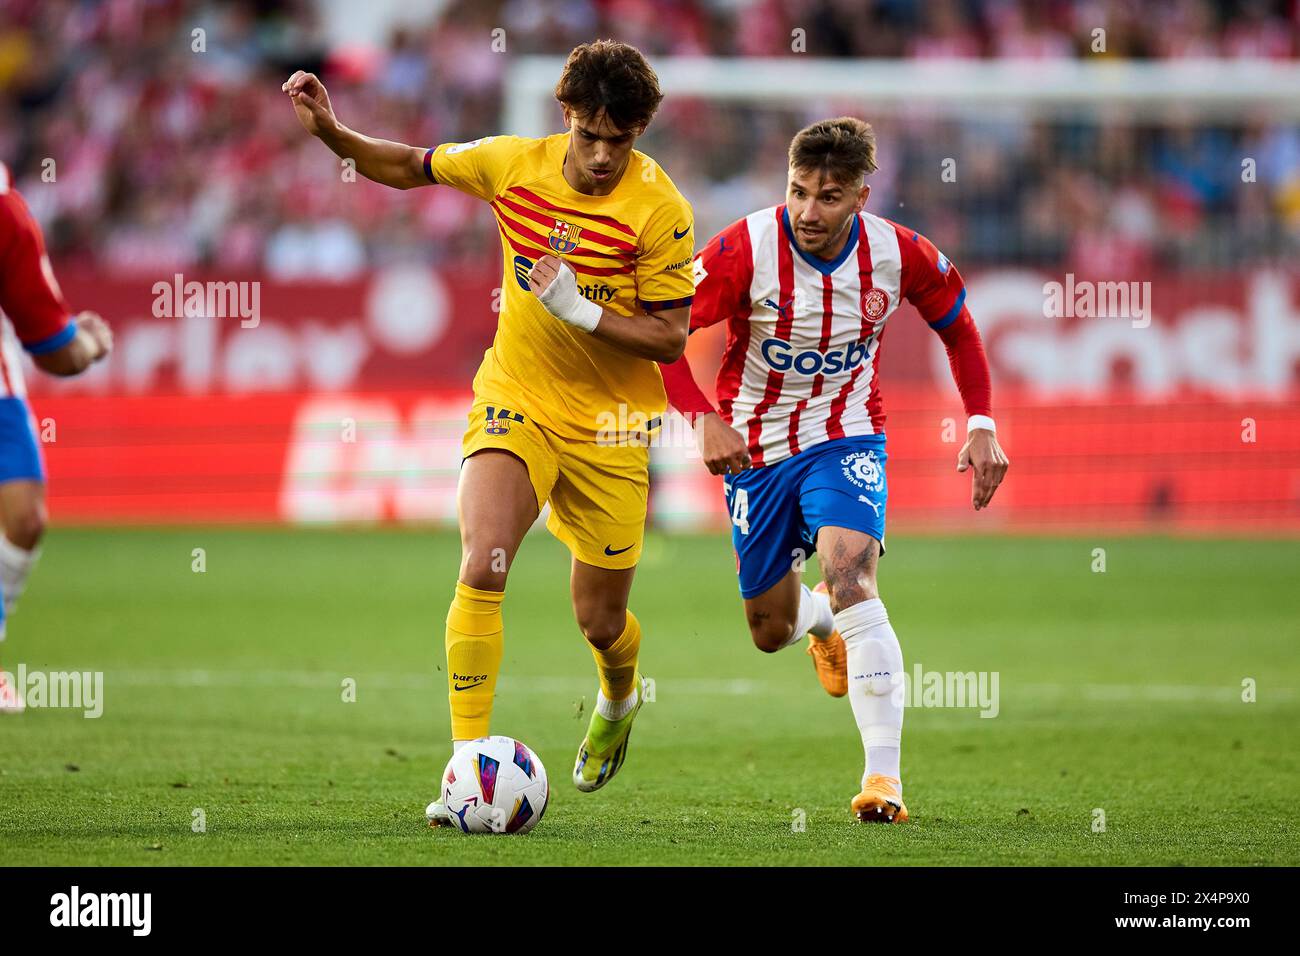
[564,237]
[499,419]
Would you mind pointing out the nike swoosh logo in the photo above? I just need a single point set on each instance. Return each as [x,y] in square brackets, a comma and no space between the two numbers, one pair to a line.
[467,686]
[679,235]
[619,551]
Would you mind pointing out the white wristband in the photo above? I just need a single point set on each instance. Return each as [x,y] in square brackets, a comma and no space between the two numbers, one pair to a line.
[980,421]
[563,301]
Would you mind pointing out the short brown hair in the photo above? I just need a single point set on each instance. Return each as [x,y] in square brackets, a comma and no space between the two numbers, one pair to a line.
[613,77]
[843,148]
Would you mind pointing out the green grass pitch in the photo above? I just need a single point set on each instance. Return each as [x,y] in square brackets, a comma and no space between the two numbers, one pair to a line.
[1120,692]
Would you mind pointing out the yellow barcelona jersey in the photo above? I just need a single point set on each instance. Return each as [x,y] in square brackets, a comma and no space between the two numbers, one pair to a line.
[630,249]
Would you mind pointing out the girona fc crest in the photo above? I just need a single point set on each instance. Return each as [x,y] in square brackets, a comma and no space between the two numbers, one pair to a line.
[564,237]
[864,469]
[875,302]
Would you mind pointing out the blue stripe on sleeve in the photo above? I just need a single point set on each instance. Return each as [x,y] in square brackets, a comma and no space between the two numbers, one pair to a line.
[55,341]
[951,315]
[665,304]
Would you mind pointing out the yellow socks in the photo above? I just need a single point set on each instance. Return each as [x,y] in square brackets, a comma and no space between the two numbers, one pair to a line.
[616,664]
[475,644]
[474,648]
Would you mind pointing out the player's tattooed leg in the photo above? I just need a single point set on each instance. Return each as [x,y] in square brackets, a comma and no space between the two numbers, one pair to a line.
[848,560]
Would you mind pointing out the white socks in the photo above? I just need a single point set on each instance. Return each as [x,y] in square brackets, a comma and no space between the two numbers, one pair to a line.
[616,709]
[875,683]
[815,615]
[15,564]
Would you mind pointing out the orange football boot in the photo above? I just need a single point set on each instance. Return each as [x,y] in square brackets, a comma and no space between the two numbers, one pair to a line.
[879,801]
[830,658]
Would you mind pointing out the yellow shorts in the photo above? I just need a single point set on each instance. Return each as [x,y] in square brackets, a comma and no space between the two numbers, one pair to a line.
[598,493]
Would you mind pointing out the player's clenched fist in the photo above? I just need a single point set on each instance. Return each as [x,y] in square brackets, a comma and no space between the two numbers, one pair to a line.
[97,333]
[724,450]
[543,273]
[311,102]
[556,287]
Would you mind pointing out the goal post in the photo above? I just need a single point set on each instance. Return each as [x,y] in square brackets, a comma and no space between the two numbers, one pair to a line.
[1215,88]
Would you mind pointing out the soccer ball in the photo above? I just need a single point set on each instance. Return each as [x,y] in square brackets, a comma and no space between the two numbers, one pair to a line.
[495,785]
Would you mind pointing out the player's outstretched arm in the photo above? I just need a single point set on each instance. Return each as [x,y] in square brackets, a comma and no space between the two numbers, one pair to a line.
[935,287]
[92,342]
[380,160]
[660,336]
[724,450]
[30,297]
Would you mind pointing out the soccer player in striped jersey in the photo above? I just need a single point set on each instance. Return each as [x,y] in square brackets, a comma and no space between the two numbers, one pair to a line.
[597,245]
[806,289]
[36,320]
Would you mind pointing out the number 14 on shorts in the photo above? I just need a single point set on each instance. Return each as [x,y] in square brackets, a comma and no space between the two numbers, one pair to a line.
[740,510]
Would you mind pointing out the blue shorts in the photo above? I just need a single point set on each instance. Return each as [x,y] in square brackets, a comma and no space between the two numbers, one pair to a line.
[20,454]
[777,511]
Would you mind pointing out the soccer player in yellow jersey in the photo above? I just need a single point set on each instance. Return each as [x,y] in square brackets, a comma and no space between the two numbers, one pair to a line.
[597,246]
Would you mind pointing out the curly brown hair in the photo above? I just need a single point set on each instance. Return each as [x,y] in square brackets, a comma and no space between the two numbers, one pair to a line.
[612,77]
[843,148]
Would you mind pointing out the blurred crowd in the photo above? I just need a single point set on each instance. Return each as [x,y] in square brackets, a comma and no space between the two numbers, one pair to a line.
[152,135]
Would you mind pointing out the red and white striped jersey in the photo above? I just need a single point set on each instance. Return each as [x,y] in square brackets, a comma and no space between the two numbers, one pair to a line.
[30,298]
[802,360]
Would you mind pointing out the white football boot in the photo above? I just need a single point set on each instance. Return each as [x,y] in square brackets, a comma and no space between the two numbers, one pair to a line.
[438,815]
